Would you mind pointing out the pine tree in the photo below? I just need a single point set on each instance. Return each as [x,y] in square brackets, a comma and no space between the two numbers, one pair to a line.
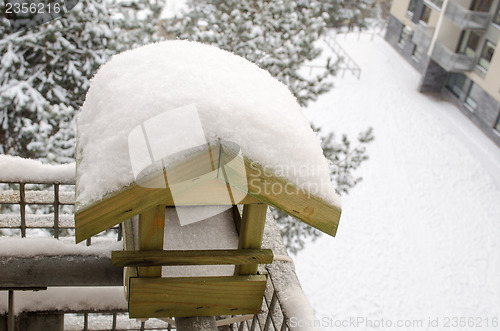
[277,35]
[44,76]
[344,160]
[350,13]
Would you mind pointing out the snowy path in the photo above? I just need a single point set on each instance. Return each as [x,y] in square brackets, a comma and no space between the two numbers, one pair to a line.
[419,236]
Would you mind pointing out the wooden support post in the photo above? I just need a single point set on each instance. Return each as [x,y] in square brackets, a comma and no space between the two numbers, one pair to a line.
[251,232]
[151,230]
[198,323]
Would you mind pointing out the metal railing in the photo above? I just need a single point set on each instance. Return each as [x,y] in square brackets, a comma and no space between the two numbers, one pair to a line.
[49,198]
[451,61]
[347,63]
[465,18]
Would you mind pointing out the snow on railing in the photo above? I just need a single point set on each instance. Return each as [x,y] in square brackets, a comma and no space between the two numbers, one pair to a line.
[347,63]
[35,202]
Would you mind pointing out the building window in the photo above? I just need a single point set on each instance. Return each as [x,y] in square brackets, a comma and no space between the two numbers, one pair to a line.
[437,3]
[468,43]
[497,126]
[456,83]
[412,7]
[426,14]
[470,100]
[486,55]
[496,20]
[481,5]
[404,36]
[417,53]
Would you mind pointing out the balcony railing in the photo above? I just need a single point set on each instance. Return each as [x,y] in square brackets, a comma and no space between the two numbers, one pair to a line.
[451,61]
[466,19]
[44,209]
[422,36]
[437,3]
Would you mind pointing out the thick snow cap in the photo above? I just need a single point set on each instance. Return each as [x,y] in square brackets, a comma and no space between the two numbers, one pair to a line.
[225,96]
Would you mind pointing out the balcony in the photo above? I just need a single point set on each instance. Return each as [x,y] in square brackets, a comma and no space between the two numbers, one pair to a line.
[451,61]
[422,36]
[466,19]
[436,3]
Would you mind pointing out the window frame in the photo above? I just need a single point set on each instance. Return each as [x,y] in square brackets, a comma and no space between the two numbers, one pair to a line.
[417,50]
[453,87]
[426,10]
[464,44]
[496,127]
[404,36]
[491,45]
[469,99]
[482,6]
[496,17]
[412,6]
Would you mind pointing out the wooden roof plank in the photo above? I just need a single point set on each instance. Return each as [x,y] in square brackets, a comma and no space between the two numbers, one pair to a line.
[260,186]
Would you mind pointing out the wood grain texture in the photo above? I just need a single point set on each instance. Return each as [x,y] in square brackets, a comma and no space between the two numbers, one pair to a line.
[251,234]
[192,257]
[196,296]
[260,186]
[151,233]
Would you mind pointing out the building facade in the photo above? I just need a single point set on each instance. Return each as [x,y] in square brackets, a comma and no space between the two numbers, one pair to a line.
[452,43]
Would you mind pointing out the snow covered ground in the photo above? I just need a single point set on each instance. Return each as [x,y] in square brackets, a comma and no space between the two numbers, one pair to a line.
[419,236]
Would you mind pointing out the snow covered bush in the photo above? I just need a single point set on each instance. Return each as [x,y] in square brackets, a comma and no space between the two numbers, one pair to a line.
[46,71]
[44,76]
[344,159]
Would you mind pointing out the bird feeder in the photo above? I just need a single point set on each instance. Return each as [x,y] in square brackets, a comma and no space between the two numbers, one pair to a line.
[217,173]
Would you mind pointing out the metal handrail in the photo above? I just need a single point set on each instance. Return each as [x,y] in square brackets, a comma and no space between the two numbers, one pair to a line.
[345,58]
[50,195]
[272,316]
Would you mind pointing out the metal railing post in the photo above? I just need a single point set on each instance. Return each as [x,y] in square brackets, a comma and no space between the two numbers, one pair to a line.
[22,205]
[56,211]
[11,314]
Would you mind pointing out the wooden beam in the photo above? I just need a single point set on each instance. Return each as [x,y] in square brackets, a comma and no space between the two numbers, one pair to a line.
[196,296]
[237,218]
[260,186]
[192,257]
[151,232]
[280,193]
[251,233]
[134,199]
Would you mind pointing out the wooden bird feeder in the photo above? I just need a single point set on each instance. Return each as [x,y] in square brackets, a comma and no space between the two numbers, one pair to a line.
[151,295]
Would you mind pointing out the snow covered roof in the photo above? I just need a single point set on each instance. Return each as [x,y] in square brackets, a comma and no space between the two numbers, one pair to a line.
[164,98]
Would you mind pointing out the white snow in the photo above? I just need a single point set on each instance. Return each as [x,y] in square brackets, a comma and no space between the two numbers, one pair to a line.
[235,101]
[292,300]
[418,237]
[66,299]
[17,169]
[11,246]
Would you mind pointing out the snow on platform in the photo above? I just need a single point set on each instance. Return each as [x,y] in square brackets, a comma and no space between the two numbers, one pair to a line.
[419,235]
[66,299]
[36,247]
